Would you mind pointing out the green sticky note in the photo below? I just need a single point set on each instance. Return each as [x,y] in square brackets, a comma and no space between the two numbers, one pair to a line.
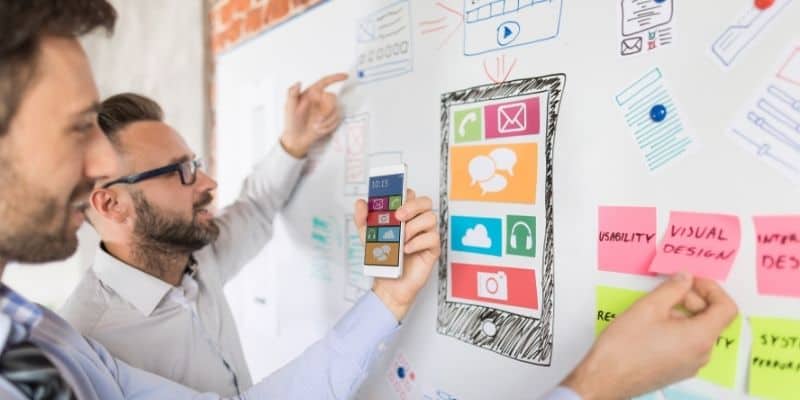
[468,125]
[775,358]
[610,303]
[721,368]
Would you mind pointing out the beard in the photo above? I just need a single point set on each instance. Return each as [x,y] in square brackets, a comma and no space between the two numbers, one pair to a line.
[158,230]
[35,226]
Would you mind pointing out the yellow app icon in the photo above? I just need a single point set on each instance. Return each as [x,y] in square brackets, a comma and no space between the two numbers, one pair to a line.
[505,173]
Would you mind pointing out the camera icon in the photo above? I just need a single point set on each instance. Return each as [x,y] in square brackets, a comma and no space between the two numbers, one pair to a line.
[493,285]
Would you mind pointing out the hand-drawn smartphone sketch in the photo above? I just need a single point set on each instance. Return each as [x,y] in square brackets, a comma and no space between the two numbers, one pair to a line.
[496,273]
[355,130]
[384,41]
[496,24]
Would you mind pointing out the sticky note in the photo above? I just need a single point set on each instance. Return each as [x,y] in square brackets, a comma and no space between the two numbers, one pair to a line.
[778,255]
[702,244]
[775,358]
[626,239]
[612,302]
[721,369]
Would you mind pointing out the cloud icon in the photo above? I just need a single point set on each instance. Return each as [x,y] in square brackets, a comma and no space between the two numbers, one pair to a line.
[389,235]
[477,236]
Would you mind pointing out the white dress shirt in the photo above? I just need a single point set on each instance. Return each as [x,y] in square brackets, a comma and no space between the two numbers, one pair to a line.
[186,333]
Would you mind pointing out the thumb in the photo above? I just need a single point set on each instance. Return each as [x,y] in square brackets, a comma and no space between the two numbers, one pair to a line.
[292,97]
[670,293]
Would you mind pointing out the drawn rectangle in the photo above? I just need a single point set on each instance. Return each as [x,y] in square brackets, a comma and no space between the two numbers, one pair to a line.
[769,125]
[474,306]
[491,25]
[748,26]
[513,118]
[661,140]
[646,25]
[356,129]
[384,43]
[479,235]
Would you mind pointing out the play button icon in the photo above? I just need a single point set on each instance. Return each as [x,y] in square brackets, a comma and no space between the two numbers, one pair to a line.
[507,32]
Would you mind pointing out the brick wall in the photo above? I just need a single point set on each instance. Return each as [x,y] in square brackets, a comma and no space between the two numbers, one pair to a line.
[233,21]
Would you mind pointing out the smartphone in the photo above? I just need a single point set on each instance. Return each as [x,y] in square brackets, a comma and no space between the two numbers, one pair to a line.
[383,250]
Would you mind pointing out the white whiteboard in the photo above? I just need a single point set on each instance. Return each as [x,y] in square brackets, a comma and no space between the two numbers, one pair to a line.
[308,275]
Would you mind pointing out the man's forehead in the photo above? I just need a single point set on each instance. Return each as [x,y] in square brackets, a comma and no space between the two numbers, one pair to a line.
[151,144]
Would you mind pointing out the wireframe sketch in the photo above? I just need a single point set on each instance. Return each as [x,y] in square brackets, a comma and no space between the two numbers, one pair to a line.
[384,45]
[491,25]
[496,273]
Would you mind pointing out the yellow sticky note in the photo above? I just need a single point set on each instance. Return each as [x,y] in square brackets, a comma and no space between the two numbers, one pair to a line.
[612,302]
[775,358]
[721,369]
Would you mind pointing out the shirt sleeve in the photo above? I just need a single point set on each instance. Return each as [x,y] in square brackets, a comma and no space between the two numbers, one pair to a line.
[332,368]
[561,393]
[247,225]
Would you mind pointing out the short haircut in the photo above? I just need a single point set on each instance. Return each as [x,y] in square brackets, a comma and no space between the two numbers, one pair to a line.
[123,109]
[22,25]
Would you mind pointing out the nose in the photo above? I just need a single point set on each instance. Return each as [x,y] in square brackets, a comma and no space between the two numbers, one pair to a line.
[204,182]
[101,159]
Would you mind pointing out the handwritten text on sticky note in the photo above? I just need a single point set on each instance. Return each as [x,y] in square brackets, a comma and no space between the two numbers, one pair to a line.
[775,358]
[626,241]
[612,302]
[721,369]
[702,244]
[778,255]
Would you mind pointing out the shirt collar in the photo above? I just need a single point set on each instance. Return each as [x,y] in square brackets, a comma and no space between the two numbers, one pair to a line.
[138,288]
[24,314]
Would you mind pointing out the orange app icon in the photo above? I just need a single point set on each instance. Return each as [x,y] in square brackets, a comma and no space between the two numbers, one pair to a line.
[504,173]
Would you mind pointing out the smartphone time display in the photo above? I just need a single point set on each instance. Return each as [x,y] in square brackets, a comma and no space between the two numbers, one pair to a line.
[383,228]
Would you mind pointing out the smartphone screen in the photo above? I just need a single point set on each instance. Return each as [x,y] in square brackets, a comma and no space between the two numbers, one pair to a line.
[384,230]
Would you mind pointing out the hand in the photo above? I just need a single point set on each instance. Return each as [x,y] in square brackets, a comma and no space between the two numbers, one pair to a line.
[653,344]
[421,252]
[310,115]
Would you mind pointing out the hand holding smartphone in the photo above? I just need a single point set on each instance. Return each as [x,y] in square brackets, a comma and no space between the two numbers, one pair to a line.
[383,250]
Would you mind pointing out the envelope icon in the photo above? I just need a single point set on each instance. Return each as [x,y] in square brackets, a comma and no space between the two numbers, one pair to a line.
[631,45]
[512,118]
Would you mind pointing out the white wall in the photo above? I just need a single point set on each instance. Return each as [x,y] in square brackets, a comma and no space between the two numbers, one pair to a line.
[157,50]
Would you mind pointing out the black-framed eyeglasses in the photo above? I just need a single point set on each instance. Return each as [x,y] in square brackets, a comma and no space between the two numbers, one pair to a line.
[187,171]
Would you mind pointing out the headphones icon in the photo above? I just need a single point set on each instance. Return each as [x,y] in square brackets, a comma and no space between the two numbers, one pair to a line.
[528,237]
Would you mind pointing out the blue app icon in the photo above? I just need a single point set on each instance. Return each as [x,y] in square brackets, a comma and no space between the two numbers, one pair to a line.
[478,235]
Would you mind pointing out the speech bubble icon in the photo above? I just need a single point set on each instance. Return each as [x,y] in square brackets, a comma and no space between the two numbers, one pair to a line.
[504,159]
[481,168]
[494,184]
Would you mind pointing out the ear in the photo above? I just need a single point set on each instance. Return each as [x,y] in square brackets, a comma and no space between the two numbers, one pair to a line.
[106,203]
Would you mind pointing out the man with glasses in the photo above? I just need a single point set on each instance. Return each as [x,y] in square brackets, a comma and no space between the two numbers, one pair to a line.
[154,294]
[51,154]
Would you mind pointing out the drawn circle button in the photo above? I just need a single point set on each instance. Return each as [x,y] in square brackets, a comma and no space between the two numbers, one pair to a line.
[764,4]
[507,32]
[658,113]
[488,327]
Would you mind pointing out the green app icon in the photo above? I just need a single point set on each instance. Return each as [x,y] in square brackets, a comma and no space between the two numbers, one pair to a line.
[521,235]
[395,202]
[468,125]
[372,234]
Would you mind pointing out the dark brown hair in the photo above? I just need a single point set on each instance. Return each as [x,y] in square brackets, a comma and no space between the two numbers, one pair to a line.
[120,110]
[23,23]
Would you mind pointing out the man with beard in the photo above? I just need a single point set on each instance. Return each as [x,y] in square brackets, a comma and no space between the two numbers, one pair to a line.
[51,149]
[154,295]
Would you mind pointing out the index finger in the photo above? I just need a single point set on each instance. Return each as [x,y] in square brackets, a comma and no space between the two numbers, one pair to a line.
[329,80]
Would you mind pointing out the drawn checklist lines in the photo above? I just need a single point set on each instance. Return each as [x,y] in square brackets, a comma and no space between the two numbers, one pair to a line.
[661,137]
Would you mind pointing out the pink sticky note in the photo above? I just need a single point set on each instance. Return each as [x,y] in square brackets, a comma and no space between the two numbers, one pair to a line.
[778,255]
[702,244]
[626,239]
